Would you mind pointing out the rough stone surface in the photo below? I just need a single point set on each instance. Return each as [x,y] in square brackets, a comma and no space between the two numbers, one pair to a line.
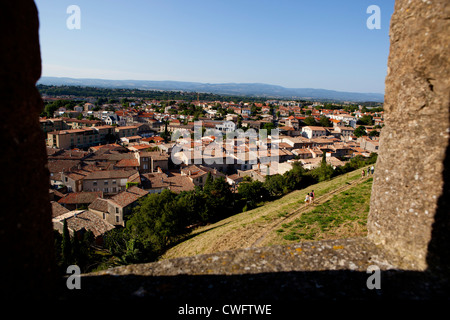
[345,254]
[25,221]
[320,270]
[410,189]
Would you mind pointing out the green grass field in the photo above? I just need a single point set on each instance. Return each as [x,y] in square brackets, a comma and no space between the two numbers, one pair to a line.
[344,215]
[258,227]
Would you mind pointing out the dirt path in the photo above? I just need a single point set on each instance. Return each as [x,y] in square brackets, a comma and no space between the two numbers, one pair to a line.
[256,227]
[306,207]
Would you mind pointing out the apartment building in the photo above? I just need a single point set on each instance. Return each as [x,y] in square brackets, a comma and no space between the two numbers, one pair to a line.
[109,181]
[79,138]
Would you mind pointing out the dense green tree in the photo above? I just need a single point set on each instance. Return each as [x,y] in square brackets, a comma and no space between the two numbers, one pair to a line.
[194,204]
[252,192]
[66,245]
[310,121]
[219,200]
[360,131]
[207,187]
[365,120]
[325,122]
[157,221]
[274,184]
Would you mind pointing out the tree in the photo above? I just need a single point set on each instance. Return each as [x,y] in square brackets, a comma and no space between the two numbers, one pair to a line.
[66,245]
[366,120]
[324,159]
[207,187]
[50,109]
[219,200]
[252,192]
[310,121]
[360,131]
[274,184]
[268,126]
[194,204]
[157,221]
[295,178]
[324,172]
[325,122]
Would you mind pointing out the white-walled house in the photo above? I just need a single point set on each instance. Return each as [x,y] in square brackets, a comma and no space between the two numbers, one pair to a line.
[311,132]
[226,126]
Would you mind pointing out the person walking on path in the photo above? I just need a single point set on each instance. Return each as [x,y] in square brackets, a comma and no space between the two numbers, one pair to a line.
[307,199]
[372,169]
[363,173]
[311,196]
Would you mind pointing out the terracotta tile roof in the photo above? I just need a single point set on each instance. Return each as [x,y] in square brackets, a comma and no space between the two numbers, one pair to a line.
[66,154]
[315,128]
[155,155]
[57,209]
[81,197]
[155,138]
[125,128]
[138,147]
[287,128]
[84,219]
[173,181]
[126,163]
[99,204]
[128,196]
[57,166]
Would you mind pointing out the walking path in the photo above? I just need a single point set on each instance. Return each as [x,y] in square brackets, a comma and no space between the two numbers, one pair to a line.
[306,207]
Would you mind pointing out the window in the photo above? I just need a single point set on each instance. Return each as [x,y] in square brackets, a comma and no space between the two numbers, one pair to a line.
[114,182]
[94,183]
[117,218]
[105,182]
[117,210]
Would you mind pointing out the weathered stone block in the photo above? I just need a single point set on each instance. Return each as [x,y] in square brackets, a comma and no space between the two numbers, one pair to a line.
[410,170]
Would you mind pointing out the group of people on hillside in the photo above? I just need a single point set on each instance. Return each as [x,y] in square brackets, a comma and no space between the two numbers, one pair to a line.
[309,197]
[370,170]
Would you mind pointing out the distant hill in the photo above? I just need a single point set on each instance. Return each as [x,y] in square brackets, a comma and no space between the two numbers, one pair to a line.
[242,89]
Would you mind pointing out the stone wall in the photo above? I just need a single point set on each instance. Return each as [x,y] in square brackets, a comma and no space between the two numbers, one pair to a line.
[408,190]
[25,220]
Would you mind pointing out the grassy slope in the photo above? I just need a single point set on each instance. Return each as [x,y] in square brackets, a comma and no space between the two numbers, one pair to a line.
[257,226]
[344,215]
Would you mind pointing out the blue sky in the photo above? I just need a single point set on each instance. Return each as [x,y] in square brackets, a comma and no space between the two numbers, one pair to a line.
[292,43]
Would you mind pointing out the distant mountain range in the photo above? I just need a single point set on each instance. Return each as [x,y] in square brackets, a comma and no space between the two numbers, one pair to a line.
[241,89]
